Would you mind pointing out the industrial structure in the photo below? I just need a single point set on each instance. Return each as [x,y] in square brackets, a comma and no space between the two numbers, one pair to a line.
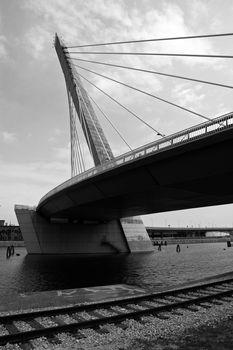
[94,211]
[54,235]
[186,235]
[9,232]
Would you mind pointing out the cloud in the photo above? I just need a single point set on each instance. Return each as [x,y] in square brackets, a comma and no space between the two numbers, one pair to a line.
[38,39]
[8,137]
[34,172]
[35,96]
[26,182]
[62,152]
[221,109]
[78,22]
[119,91]
[188,96]
[3,50]
[56,133]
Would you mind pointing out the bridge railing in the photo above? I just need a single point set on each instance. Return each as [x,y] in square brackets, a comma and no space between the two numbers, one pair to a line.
[199,131]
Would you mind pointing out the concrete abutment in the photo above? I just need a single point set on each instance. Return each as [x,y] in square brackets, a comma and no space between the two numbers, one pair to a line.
[126,235]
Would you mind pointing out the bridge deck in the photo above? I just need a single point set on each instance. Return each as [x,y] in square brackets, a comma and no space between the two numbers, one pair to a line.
[177,172]
[197,132]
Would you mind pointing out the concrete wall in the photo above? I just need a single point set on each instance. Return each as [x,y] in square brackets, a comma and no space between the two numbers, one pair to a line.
[14,243]
[188,241]
[25,219]
[136,234]
[43,237]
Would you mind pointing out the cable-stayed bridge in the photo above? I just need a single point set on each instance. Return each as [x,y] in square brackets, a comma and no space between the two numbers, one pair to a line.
[93,212]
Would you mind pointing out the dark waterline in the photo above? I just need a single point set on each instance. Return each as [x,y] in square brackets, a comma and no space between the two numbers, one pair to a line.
[156,270]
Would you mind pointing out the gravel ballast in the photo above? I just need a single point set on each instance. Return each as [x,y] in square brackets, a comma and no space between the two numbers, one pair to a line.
[184,329]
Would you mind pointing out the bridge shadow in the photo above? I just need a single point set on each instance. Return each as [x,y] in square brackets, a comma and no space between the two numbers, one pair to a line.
[53,272]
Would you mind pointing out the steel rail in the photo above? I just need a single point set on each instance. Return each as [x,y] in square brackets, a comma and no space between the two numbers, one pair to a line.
[75,308]
[19,337]
[35,333]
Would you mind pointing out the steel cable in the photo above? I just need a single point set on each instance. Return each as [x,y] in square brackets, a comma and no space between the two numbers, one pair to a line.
[154,72]
[120,104]
[155,39]
[145,93]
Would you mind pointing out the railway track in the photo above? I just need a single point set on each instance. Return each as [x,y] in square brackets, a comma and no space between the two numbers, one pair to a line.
[22,327]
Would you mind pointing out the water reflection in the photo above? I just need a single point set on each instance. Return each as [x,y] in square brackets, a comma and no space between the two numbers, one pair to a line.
[157,270]
[71,272]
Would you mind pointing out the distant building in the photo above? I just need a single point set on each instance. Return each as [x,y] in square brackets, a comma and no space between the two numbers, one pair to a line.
[10,232]
[165,233]
[217,234]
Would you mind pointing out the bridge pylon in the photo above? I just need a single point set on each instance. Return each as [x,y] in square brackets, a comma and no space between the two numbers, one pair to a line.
[65,236]
[78,98]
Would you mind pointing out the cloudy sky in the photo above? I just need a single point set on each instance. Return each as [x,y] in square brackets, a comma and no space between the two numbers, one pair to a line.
[34,120]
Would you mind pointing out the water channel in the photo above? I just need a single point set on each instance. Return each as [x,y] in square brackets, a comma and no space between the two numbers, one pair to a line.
[160,269]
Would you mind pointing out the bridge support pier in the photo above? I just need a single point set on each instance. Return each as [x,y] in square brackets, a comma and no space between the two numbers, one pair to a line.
[126,235]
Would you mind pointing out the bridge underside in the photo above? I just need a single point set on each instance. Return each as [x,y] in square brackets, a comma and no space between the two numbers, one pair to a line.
[190,175]
[114,237]
[86,217]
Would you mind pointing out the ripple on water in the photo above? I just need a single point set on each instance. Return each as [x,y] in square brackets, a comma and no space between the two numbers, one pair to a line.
[156,270]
